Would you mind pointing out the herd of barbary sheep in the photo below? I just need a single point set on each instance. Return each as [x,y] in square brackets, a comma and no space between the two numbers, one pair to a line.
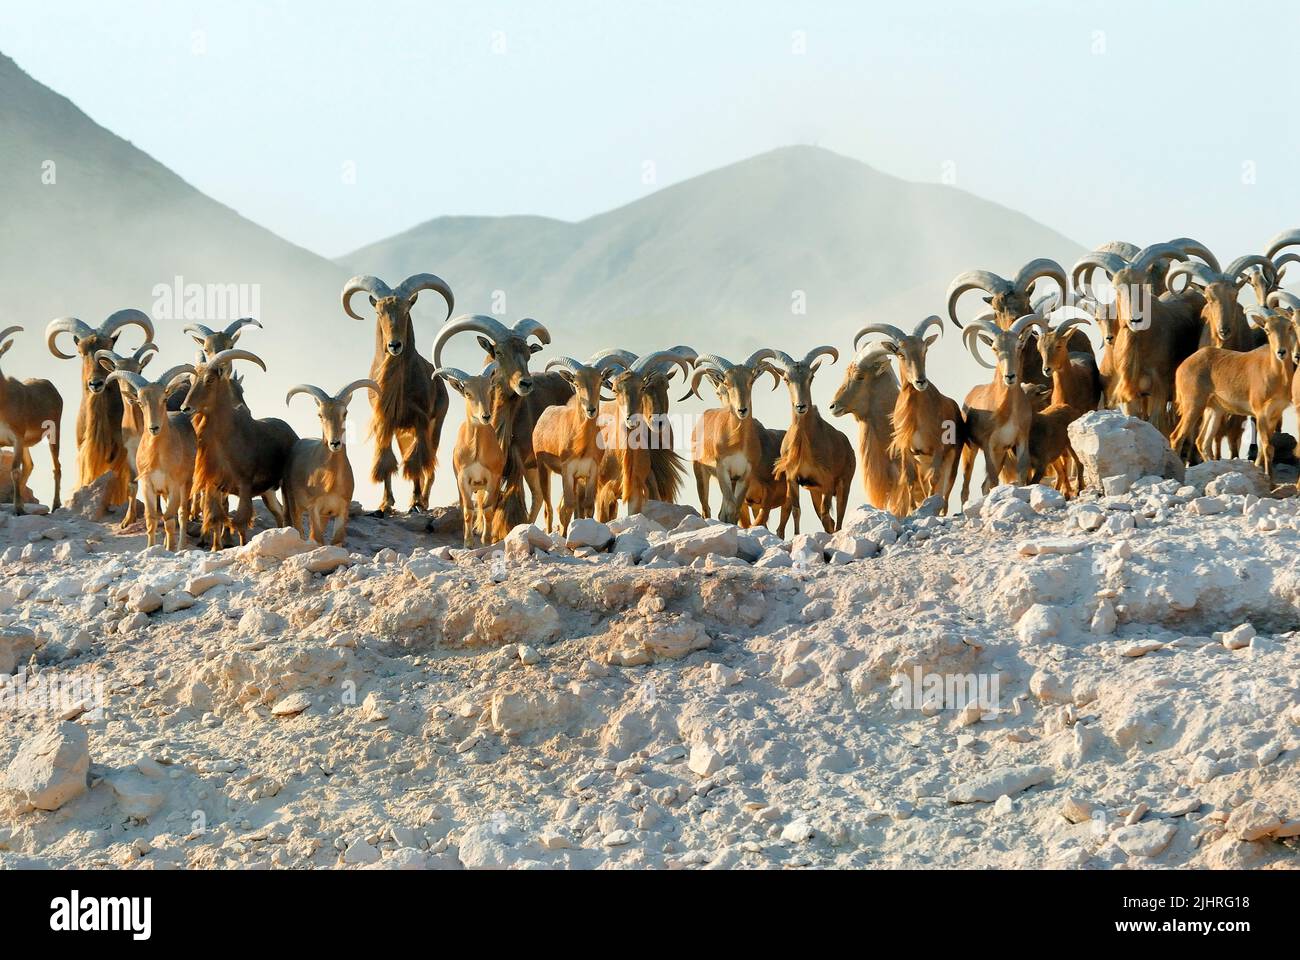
[1179,350]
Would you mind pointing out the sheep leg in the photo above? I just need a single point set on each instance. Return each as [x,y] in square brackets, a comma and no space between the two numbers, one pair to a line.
[823,506]
[383,468]
[1264,441]
[568,500]
[183,516]
[466,508]
[151,516]
[53,437]
[702,485]
[16,474]
[544,489]
[242,521]
[273,505]
[1022,462]
[968,467]
[739,487]
[533,478]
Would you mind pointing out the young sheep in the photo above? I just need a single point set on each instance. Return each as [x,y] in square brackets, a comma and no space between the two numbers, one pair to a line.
[566,440]
[30,411]
[164,457]
[318,479]
[1230,382]
[479,459]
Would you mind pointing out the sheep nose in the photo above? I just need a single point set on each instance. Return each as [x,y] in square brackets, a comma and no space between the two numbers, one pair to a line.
[335,444]
[1010,378]
[394,347]
[801,408]
[591,412]
[525,385]
[922,384]
[743,411]
[186,408]
[154,430]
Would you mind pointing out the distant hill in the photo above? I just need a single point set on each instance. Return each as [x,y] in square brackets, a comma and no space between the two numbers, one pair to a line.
[716,261]
[719,261]
[113,224]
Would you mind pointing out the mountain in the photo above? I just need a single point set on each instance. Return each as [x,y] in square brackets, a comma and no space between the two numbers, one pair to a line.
[90,224]
[719,261]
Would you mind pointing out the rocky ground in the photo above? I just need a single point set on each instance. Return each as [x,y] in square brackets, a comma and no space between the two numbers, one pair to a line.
[670,692]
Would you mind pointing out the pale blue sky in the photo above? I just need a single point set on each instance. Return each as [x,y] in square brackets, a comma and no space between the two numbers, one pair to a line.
[1139,120]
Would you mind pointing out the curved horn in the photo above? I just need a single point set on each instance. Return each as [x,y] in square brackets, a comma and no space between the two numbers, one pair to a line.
[124,318]
[226,356]
[165,380]
[410,288]
[610,357]
[454,373]
[1107,260]
[142,350]
[528,327]
[71,325]
[573,366]
[1194,248]
[198,331]
[701,371]
[1287,238]
[1042,267]
[1066,324]
[970,337]
[1196,273]
[1177,250]
[1283,299]
[108,359]
[815,352]
[985,280]
[343,395]
[497,331]
[320,395]
[1234,270]
[719,364]
[763,353]
[1022,324]
[371,285]
[931,321]
[8,332]
[232,331]
[653,361]
[129,377]
[887,329]
[782,360]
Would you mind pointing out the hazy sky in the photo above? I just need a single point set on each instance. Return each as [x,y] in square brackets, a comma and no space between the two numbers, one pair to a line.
[1139,120]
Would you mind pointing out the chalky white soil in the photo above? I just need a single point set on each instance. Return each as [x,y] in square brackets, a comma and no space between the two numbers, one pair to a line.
[414,708]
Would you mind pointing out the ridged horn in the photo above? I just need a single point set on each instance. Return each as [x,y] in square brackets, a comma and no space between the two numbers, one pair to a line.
[890,331]
[234,353]
[125,318]
[985,280]
[232,331]
[70,325]
[364,282]
[494,329]
[129,377]
[410,288]
[343,395]
[315,392]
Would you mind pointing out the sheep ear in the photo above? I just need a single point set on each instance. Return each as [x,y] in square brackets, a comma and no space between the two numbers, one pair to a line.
[5,349]
[534,348]
[145,362]
[931,340]
[486,344]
